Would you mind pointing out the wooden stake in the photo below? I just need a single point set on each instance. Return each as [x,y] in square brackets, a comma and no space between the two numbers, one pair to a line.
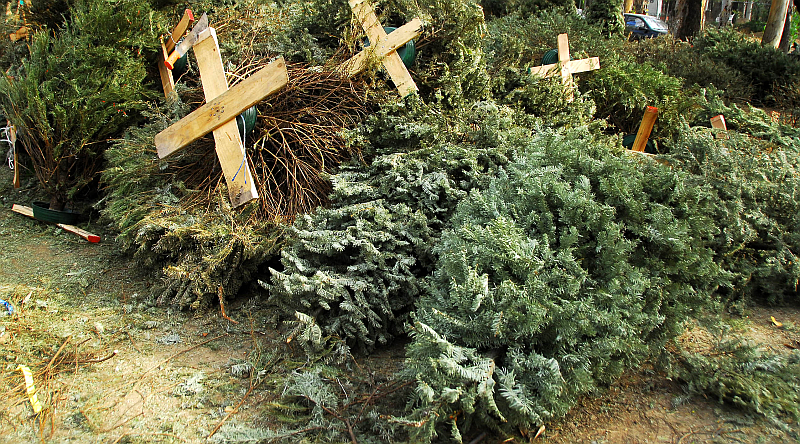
[28,211]
[566,67]
[383,47]
[645,128]
[167,81]
[718,122]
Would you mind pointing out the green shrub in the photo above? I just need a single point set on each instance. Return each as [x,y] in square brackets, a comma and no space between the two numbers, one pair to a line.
[765,68]
[576,263]
[623,88]
[679,59]
[607,13]
[355,267]
[525,7]
[746,375]
[756,183]
[201,249]
[519,41]
[78,88]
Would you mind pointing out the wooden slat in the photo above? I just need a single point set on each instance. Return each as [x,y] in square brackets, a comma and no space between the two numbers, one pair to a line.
[93,238]
[645,128]
[180,30]
[718,122]
[167,81]
[392,61]
[28,211]
[563,49]
[12,138]
[223,108]
[574,67]
[22,209]
[230,151]
[393,41]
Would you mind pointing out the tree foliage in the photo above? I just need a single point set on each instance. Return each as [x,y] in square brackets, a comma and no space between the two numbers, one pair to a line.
[576,263]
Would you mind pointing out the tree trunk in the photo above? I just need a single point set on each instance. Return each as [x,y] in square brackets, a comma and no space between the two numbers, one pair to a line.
[748,11]
[628,6]
[786,43]
[725,13]
[690,15]
[716,11]
[775,22]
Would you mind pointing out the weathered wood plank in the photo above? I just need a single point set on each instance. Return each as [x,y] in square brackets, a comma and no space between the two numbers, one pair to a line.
[223,108]
[229,148]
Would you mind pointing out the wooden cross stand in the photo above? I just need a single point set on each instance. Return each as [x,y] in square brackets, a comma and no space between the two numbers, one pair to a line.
[28,211]
[566,67]
[383,47]
[167,81]
[219,114]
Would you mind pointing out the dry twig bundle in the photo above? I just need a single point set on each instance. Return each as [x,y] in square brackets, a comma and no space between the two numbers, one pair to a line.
[297,140]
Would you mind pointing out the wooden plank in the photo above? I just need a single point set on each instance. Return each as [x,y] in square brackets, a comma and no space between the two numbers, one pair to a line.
[392,61]
[22,209]
[223,108]
[179,31]
[28,211]
[12,139]
[93,238]
[574,67]
[648,121]
[583,65]
[167,81]
[230,151]
[563,49]
[718,122]
[393,41]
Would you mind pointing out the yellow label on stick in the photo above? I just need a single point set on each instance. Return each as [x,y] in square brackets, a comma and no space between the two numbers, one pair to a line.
[30,389]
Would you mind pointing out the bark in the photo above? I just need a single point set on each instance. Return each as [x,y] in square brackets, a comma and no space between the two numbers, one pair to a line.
[748,11]
[628,6]
[775,22]
[724,13]
[690,15]
[786,44]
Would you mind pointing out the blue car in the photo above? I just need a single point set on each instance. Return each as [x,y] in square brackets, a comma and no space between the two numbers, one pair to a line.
[641,26]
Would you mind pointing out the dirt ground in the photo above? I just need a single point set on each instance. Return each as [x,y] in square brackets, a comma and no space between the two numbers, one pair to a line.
[109,368]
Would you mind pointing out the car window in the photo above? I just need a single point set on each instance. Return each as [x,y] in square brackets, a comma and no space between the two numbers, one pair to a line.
[656,24]
[637,22]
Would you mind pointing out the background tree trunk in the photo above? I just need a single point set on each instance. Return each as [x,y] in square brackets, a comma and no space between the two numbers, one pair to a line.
[748,11]
[690,15]
[786,43]
[775,22]
[725,13]
[628,6]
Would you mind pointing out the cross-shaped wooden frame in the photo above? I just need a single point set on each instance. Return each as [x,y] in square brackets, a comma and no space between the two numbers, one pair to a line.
[167,81]
[383,47]
[566,67]
[219,115]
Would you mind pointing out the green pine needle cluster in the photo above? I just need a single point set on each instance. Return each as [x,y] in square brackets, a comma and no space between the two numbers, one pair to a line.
[577,262]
